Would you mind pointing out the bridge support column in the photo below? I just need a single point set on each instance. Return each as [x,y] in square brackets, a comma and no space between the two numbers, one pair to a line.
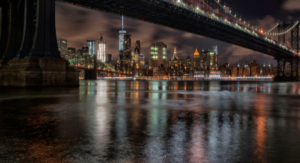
[4,27]
[281,70]
[31,56]
[13,12]
[294,67]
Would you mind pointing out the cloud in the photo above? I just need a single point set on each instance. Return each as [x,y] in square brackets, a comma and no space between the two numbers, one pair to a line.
[291,5]
[236,54]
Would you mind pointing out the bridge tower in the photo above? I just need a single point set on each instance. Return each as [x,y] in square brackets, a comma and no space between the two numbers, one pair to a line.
[294,43]
[29,53]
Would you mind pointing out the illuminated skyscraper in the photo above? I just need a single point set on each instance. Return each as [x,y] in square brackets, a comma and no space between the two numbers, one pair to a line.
[196,59]
[158,54]
[92,48]
[71,53]
[108,58]
[142,61]
[62,47]
[127,47]
[175,54]
[137,51]
[122,34]
[101,55]
[216,56]
[78,53]
[209,59]
[85,51]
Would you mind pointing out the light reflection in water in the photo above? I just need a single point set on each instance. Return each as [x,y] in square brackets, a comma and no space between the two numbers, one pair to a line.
[152,121]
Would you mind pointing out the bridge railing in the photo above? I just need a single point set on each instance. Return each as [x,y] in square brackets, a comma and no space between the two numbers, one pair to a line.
[209,12]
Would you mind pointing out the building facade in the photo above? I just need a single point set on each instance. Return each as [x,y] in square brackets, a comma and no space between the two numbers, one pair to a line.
[71,53]
[158,54]
[92,47]
[85,50]
[196,59]
[62,47]
[101,54]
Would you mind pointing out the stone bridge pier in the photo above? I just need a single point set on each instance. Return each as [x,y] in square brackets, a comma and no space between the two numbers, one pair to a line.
[281,69]
[29,53]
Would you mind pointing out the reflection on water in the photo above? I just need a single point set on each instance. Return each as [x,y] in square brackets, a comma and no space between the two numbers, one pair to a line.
[152,121]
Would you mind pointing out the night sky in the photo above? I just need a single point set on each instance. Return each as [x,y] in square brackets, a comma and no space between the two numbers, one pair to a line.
[77,24]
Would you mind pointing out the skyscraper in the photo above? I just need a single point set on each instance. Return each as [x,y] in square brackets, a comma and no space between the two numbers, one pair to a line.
[196,59]
[137,51]
[85,51]
[101,55]
[175,54]
[209,59]
[127,46]
[92,48]
[121,40]
[71,53]
[142,61]
[62,47]
[108,58]
[79,52]
[216,56]
[158,54]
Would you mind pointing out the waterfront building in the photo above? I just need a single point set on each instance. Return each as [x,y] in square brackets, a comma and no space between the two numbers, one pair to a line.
[92,47]
[234,71]
[188,62]
[62,47]
[240,71]
[108,58]
[142,61]
[127,47]
[101,54]
[225,70]
[254,68]
[79,52]
[137,51]
[85,50]
[247,70]
[71,53]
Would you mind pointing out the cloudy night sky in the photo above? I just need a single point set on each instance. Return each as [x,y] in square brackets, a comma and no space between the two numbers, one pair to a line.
[77,24]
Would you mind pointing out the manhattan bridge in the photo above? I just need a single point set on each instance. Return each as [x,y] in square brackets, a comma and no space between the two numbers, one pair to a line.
[28,35]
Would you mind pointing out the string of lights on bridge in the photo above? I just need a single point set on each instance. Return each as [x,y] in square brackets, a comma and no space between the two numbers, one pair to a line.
[270,30]
[237,22]
[286,31]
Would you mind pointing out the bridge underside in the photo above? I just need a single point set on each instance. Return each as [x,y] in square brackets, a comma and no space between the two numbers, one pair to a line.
[29,54]
[166,14]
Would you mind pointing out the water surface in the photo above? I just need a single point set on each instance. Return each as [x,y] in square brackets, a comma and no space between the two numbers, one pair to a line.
[152,121]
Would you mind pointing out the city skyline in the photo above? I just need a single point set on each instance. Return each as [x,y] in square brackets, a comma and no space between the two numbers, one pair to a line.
[109,25]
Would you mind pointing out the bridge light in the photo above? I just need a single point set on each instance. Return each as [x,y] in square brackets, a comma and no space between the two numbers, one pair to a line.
[178,1]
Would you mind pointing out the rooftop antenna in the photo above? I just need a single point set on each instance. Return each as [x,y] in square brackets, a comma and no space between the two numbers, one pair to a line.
[122,22]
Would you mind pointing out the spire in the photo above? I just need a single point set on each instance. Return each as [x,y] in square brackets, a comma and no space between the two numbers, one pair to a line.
[122,22]
[196,52]
[175,54]
[101,38]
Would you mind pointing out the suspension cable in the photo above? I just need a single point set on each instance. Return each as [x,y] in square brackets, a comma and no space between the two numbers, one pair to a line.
[286,31]
[270,30]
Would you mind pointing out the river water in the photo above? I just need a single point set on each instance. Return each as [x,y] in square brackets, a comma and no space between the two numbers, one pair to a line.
[152,121]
